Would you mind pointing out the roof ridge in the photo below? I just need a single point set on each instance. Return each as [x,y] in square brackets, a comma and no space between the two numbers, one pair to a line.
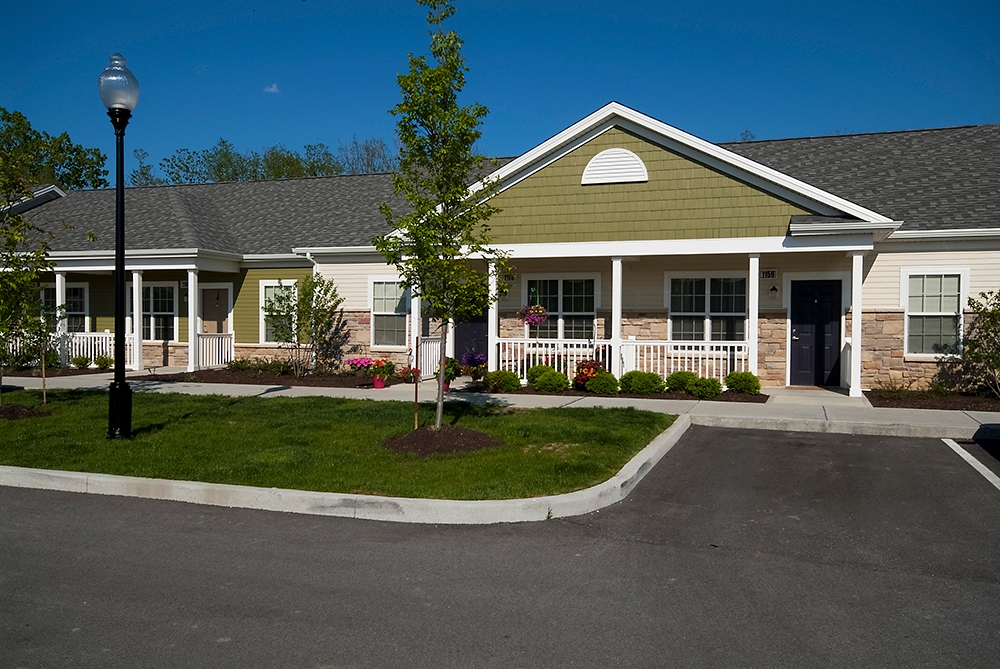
[860,134]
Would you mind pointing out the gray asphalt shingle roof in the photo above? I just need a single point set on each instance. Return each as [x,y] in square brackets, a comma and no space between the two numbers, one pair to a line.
[241,217]
[947,178]
[939,179]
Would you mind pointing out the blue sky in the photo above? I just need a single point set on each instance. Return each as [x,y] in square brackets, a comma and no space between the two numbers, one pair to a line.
[292,72]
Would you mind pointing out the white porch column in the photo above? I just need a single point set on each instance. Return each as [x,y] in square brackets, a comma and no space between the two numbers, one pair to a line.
[857,278]
[136,319]
[616,316]
[194,320]
[415,331]
[61,320]
[492,323]
[753,311]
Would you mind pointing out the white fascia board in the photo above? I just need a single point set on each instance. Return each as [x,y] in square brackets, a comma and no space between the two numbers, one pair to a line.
[936,235]
[683,247]
[39,197]
[686,144]
[147,259]
[879,230]
[334,250]
[275,260]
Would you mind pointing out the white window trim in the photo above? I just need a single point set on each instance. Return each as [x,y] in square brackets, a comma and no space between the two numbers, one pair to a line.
[543,276]
[262,332]
[130,320]
[707,276]
[904,302]
[408,295]
[86,299]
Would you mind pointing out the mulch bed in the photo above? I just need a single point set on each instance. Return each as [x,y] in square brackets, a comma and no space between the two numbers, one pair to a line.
[51,371]
[919,399]
[726,396]
[449,439]
[267,379]
[19,411]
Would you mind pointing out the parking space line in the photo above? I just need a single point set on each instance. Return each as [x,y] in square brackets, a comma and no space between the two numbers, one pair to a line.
[976,464]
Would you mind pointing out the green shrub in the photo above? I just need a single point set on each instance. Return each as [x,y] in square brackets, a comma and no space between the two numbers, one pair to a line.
[551,382]
[680,380]
[104,362]
[502,381]
[537,371]
[81,362]
[604,383]
[705,389]
[743,382]
[641,383]
[52,359]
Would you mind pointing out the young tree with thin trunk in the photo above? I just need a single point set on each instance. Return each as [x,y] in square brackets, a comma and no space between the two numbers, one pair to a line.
[439,244]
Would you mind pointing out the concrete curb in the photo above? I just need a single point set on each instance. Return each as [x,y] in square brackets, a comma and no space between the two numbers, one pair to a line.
[842,427]
[369,507]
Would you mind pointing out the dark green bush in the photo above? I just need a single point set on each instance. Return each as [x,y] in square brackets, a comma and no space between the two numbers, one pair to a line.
[52,359]
[103,362]
[551,382]
[81,362]
[502,381]
[680,380]
[641,383]
[537,371]
[705,389]
[743,382]
[604,383]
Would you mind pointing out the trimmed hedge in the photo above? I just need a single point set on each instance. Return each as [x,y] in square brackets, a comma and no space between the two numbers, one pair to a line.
[502,381]
[680,380]
[604,383]
[641,383]
[705,389]
[537,371]
[743,382]
[81,362]
[551,382]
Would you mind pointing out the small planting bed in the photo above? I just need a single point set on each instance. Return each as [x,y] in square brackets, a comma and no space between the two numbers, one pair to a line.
[726,396]
[924,399]
[267,378]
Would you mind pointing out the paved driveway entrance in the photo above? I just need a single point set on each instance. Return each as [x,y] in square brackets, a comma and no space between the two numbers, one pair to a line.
[756,549]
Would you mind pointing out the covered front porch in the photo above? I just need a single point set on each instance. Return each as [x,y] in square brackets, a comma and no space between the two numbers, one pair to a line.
[663,307]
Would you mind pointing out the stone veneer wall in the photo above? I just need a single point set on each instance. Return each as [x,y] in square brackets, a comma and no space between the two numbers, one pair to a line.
[883,362]
[771,347]
[645,325]
[164,354]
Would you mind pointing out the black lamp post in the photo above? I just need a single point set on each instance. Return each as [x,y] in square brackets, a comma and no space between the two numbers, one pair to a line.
[119,92]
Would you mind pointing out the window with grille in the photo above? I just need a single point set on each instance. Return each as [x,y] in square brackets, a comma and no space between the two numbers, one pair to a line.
[389,306]
[159,309]
[700,305]
[76,306]
[571,306]
[277,324]
[934,314]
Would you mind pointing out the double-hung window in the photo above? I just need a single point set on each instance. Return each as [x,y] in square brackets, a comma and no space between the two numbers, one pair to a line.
[159,310]
[571,304]
[716,306]
[389,306]
[277,298]
[76,306]
[933,313]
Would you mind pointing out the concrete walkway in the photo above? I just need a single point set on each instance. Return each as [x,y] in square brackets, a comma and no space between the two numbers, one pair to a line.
[788,409]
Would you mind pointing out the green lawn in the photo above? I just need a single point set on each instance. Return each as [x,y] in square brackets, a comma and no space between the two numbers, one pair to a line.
[327,444]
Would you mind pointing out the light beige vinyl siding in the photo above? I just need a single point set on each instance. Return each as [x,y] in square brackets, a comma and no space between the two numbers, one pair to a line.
[352,278]
[881,290]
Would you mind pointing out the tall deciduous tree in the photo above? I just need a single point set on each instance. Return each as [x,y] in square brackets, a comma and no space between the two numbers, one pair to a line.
[29,158]
[437,243]
[372,156]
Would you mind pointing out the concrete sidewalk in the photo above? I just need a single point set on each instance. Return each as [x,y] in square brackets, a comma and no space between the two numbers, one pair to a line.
[788,409]
[794,409]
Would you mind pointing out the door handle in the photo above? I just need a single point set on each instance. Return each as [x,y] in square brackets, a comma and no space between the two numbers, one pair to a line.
[794,338]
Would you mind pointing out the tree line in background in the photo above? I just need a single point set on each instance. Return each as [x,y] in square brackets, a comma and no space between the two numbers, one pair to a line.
[223,162]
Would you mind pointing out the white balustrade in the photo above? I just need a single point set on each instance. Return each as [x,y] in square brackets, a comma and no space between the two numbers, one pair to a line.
[520,355]
[215,349]
[430,356]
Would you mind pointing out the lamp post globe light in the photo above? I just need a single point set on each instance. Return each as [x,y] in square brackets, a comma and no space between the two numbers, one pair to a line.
[119,91]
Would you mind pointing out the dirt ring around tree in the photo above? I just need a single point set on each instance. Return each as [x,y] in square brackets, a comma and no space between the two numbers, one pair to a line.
[449,439]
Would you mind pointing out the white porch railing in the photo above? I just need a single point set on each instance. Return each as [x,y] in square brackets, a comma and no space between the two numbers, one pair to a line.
[520,355]
[215,349]
[711,359]
[71,345]
[714,359]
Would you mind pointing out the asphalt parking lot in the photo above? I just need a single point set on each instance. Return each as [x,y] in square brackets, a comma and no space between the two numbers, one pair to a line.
[740,548]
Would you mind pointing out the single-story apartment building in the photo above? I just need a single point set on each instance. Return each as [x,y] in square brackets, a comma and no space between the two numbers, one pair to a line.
[841,261]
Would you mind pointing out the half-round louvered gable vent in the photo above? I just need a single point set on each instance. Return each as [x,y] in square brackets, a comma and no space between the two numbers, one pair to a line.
[614,166]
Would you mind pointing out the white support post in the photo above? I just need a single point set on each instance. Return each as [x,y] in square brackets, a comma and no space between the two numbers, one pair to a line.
[61,313]
[493,323]
[753,313]
[194,309]
[857,279]
[136,320]
[616,317]
[415,332]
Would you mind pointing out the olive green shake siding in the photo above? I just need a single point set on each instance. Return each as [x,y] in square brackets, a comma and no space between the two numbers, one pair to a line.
[247,307]
[681,200]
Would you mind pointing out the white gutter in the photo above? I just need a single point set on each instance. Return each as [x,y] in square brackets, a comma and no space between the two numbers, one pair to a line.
[930,235]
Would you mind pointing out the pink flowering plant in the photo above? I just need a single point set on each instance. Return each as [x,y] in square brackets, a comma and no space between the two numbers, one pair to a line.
[533,315]
[359,364]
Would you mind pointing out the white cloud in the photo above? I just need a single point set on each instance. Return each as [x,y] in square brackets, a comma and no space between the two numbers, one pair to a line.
[273,88]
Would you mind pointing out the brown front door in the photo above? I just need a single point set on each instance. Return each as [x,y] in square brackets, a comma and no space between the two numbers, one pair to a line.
[214,310]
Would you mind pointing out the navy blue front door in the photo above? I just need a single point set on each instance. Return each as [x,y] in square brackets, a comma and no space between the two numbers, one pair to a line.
[815,321]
